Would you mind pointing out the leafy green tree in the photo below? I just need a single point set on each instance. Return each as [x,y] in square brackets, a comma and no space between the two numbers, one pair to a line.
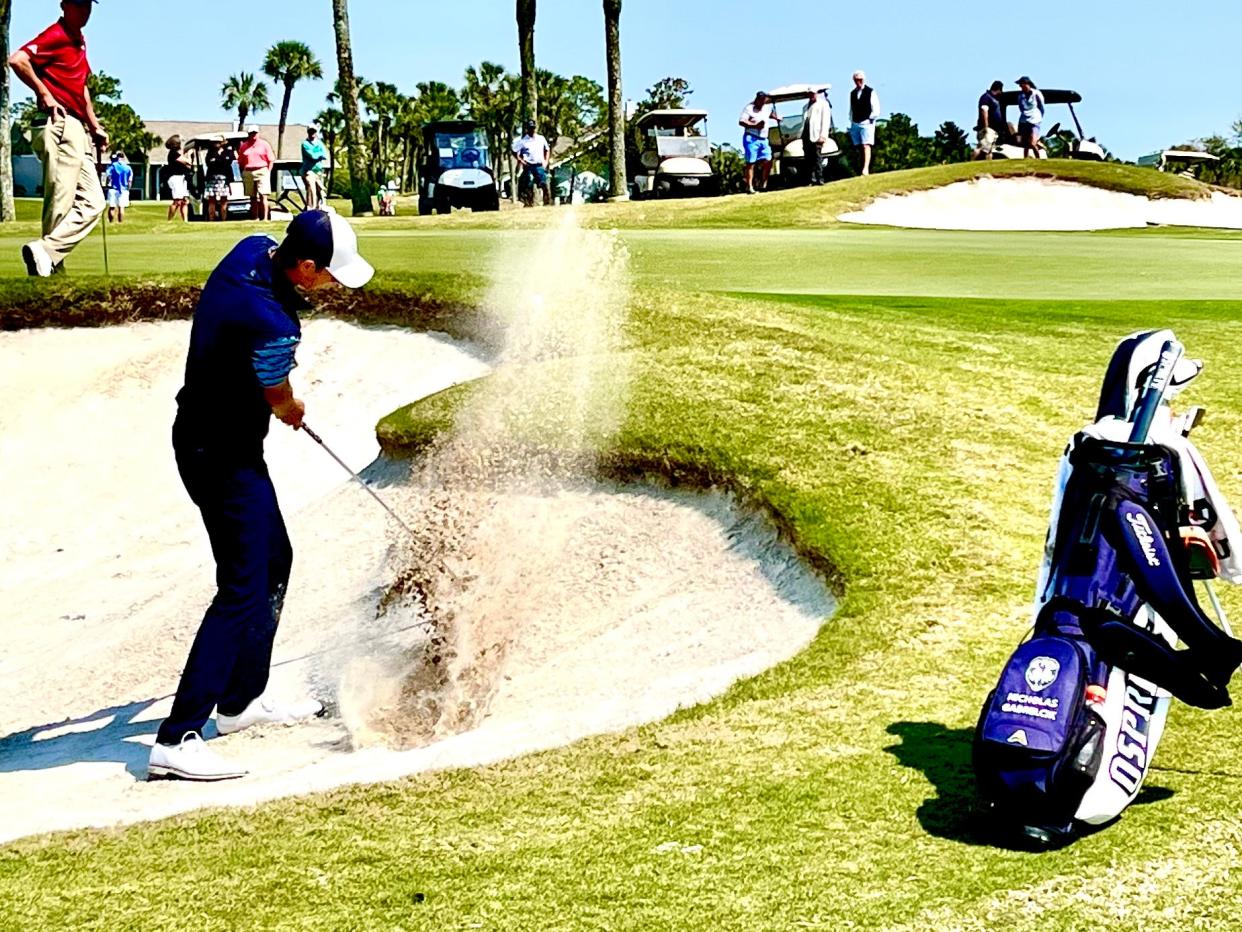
[433,102]
[570,106]
[332,124]
[126,130]
[898,144]
[244,93]
[491,97]
[666,94]
[728,166]
[383,102]
[949,144]
[287,63]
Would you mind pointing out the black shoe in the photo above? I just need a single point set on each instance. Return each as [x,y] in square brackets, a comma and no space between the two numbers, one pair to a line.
[29,259]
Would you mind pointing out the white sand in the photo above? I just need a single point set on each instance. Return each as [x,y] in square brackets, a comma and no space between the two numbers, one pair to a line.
[656,601]
[991,203]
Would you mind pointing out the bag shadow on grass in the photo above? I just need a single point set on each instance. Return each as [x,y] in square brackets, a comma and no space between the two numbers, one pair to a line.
[106,736]
[943,756]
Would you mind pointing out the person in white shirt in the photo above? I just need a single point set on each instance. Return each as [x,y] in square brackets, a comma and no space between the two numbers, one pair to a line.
[816,124]
[864,108]
[533,154]
[757,117]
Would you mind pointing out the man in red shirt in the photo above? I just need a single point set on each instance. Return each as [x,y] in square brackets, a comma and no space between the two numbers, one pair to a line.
[54,66]
[256,158]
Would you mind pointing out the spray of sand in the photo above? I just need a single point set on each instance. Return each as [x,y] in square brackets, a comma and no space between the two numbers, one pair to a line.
[487,504]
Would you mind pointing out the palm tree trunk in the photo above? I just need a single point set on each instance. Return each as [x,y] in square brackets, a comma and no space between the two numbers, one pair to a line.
[7,210]
[242,112]
[284,117]
[616,103]
[526,51]
[349,104]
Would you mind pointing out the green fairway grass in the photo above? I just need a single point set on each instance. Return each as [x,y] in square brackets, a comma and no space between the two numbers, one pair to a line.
[898,401]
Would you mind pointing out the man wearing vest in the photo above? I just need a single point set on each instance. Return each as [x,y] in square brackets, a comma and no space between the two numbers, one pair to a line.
[54,66]
[864,108]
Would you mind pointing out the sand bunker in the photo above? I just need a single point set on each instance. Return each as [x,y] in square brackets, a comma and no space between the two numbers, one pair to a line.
[992,203]
[555,608]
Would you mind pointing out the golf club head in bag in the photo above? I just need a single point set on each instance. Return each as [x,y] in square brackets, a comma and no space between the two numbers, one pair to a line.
[1065,740]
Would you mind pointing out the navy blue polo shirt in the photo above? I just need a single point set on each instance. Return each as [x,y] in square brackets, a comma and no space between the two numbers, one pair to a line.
[992,103]
[244,337]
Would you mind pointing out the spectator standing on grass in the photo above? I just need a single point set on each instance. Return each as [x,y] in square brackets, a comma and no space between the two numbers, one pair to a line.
[120,177]
[816,125]
[54,66]
[533,154]
[757,118]
[988,121]
[864,110]
[219,184]
[257,158]
[1030,117]
[177,177]
[243,343]
[314,156]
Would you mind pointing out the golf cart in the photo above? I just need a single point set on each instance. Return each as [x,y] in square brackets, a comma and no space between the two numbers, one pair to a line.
[458,170]
[1184,162]
[1009,146]
[674,154]
[789,168]
[286,178]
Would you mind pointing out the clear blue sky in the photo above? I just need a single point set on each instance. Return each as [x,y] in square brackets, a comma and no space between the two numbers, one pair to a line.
[1150,76]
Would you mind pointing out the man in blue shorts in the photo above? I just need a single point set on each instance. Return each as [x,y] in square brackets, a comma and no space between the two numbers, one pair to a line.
[120,177]
[242,345]
[864,109]
[533,154]
[755,121]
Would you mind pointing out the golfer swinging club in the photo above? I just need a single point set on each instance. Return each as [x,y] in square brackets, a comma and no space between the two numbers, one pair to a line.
[242,345]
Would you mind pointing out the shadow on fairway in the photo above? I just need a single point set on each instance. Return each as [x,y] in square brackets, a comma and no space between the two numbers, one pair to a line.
[943,756]
[106,736]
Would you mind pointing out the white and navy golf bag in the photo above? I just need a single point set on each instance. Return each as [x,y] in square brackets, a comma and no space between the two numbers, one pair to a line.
[1066,738]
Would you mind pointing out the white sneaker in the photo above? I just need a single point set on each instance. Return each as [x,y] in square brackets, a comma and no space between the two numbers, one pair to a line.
[265,711]
[189,760]
[38,262]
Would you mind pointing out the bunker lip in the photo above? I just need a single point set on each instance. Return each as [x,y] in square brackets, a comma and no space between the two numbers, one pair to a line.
[109,578]
[1018,203]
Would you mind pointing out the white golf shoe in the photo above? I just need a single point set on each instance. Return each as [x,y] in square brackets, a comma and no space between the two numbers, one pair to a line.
[38,262]
[265,711]
[189,760]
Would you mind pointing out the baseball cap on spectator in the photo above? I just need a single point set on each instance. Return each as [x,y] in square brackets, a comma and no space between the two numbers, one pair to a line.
[328,240]
[251,129]
[1025,80]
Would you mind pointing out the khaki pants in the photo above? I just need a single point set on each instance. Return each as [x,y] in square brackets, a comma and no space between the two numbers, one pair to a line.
[72,196]
[314,190]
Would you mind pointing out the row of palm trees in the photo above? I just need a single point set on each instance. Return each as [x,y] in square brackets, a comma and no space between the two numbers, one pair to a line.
[389,146]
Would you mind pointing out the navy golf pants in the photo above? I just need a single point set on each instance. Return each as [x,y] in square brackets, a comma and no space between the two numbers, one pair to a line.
[232,653]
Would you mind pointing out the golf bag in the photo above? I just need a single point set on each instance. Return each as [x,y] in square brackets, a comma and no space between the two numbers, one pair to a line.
[1066,738]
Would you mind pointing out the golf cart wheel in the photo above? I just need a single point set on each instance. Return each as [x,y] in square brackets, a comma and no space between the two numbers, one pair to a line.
[443,206]
[424,206]
[489,202]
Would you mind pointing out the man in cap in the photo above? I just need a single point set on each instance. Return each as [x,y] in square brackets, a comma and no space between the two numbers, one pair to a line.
[54,66]
[864,110]
[256,158]
[314,157]
[757,118]
[242,345]
[120,177]
[533,154]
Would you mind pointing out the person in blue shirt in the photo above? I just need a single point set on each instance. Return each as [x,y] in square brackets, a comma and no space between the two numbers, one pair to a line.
[119,178]
[314,157]
[243,344]
[989,121]
[1031,116]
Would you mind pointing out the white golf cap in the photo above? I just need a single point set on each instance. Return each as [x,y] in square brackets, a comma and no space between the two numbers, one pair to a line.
[328,239]
[251,128]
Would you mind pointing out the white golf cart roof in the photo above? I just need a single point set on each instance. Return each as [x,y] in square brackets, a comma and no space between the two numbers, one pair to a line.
[1190,155]
[796,91]
[670,118]
[202,142]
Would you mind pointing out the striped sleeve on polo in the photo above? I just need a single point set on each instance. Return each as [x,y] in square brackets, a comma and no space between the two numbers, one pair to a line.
[274,360]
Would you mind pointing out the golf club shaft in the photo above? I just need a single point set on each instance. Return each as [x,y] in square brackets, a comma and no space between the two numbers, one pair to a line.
[357,478]
[1153,392]
[104,226]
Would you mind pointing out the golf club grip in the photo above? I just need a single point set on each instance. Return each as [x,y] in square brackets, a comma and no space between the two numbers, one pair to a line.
[1153,391]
